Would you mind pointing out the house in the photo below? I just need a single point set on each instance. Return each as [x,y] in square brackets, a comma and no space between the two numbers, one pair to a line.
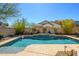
[48,27]
[5,30]
[38,28]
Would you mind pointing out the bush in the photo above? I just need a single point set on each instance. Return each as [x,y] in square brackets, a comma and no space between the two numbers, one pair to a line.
[68,26]
[20,26]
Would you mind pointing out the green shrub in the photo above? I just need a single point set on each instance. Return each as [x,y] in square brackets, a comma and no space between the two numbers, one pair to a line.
[20,26]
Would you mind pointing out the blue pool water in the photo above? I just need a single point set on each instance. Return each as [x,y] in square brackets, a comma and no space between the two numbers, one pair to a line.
[42,39]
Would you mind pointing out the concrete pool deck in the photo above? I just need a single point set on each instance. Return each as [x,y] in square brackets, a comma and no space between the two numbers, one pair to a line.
[43,49]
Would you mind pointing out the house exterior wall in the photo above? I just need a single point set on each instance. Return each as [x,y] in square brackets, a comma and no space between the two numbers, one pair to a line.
[49,30]
[7,31]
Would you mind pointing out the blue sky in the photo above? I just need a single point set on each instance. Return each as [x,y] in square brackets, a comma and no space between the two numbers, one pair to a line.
[35,13]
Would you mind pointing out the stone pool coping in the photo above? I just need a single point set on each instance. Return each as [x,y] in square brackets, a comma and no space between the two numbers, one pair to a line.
[12,39]
[7,41]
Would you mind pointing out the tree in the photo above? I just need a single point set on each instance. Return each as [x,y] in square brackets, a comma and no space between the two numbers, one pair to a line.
[7,10]
[68,26]
[20,26]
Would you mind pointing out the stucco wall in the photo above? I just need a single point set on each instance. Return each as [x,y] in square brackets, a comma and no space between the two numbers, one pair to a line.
[7,31]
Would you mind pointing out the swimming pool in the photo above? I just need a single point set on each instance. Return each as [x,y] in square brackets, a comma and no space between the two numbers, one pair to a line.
[41,39]
[20,44]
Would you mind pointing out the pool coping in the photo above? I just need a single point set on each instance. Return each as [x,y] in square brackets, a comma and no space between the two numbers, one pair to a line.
[12,39]
[7,41]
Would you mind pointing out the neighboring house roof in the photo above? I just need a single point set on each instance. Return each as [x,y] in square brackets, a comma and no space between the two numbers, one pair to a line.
[50,23]
[47,25]
[55,25]
[37,25]
[3,23]
[44,22]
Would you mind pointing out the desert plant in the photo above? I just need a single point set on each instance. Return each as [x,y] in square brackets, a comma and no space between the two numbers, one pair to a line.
[68,26]
[20,26]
